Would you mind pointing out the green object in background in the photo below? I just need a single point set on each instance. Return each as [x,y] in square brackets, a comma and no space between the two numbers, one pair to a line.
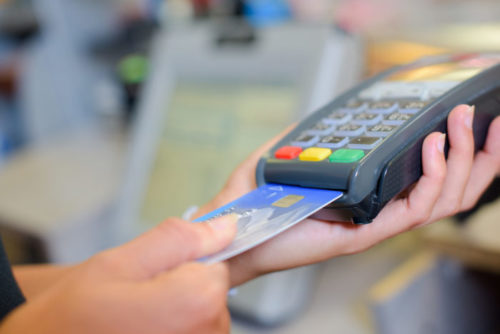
[133,69]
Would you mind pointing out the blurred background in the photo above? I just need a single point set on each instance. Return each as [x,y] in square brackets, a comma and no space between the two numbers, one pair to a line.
[116,114]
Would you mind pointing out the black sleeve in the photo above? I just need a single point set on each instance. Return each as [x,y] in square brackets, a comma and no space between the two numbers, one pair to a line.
[10,293]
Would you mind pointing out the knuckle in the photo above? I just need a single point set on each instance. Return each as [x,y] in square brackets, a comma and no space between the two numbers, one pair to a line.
[205,230]
[449,206]
[222,270]
[420,216]
[440,175]
[106,263]
[205,306]
[104,260]
[468,205]
[453,208]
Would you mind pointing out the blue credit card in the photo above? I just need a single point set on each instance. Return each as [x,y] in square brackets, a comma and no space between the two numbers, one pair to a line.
[266,212]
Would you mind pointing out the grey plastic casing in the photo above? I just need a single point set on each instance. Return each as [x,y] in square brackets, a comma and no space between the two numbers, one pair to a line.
[395,163]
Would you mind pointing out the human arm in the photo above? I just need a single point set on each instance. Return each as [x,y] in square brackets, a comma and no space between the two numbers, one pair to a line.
[149,285]
[34,279]
[446,187]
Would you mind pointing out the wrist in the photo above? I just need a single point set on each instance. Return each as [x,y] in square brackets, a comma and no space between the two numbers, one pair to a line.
[35,279]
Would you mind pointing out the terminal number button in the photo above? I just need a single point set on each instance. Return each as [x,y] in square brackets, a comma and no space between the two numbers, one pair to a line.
[333,141]
[305,140]
[396,118]
[411,107]
[367,119]
[380,130]
[383,107]
[364,143]
[338,118]
[321,129]
[354,107]
[350,130]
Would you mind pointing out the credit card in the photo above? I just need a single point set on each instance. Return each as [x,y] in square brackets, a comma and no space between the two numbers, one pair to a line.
[267,211]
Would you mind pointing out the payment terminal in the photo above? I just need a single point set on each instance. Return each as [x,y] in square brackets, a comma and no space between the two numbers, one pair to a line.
[367,142]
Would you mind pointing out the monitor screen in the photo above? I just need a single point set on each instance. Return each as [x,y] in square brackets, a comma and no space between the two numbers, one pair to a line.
[208,130]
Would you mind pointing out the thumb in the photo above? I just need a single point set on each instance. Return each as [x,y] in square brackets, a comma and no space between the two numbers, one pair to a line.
[174,242]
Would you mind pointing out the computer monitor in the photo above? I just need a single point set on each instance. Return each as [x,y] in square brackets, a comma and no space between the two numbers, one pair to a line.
[211,127]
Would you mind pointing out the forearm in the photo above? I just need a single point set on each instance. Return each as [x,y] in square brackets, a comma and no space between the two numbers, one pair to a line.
[33,279]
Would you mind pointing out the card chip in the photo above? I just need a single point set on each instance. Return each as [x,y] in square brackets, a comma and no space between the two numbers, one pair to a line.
[287,201]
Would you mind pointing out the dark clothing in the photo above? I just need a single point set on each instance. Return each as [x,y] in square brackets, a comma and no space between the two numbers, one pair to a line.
[10,294]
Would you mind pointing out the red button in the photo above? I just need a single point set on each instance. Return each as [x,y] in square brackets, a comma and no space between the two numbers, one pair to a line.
[288,152]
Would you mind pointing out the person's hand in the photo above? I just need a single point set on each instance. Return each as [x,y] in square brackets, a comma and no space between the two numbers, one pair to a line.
[445,188]
[145,286]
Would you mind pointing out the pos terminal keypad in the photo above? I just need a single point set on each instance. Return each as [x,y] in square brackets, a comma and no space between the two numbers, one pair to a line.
[359,125]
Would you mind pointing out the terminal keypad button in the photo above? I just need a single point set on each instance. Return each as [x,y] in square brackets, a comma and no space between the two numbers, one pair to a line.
[305,140]
[354,106]
[333,141]
[288,152]
[364,143]
[315,154]
[411,107]
[321,129]
[380,130]
[367,118]
[396,118]
[346,155]
[383,107]
[338,118]
[350,130]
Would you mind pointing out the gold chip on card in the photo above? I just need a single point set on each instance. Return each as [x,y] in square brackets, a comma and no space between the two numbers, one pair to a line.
[287,201]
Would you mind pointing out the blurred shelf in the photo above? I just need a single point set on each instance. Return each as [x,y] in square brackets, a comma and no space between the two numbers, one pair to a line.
[477,243]
[55,191]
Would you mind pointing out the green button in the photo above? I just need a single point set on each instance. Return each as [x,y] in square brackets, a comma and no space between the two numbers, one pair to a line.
[346,155]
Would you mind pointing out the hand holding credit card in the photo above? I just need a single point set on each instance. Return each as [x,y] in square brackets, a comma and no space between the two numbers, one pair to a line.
[267,211]
[316,240]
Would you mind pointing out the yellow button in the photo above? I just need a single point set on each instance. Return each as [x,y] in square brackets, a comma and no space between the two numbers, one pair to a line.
[315,154]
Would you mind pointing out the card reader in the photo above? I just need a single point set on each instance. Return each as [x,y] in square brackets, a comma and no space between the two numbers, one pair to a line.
[367,143]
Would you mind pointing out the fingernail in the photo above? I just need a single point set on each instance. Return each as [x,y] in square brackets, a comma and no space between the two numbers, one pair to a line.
[440,143]
[469,117]
[224,222]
